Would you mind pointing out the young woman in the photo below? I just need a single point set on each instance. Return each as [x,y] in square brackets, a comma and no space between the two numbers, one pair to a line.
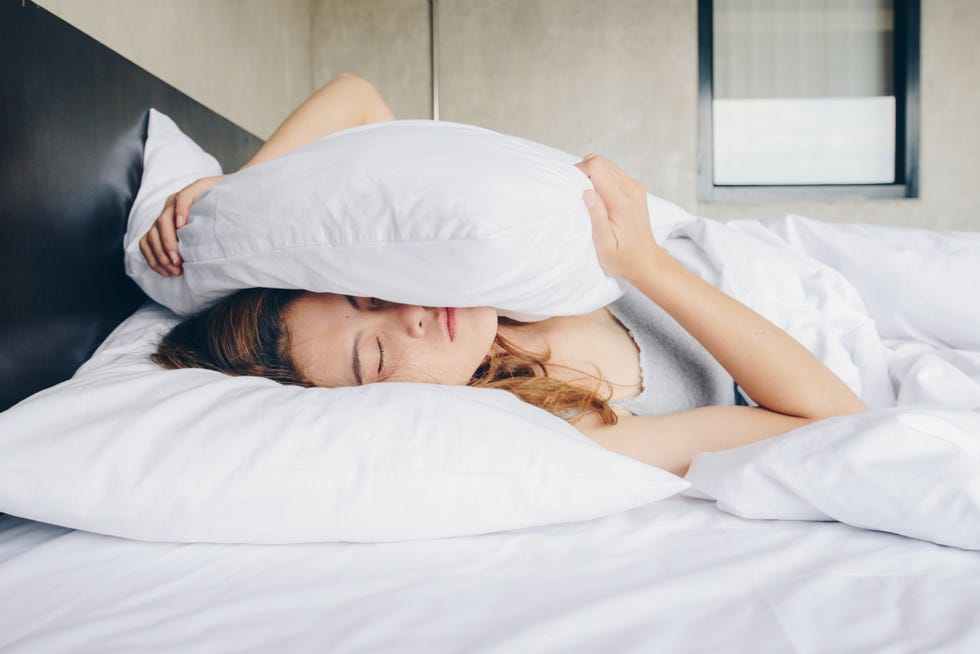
[653,376]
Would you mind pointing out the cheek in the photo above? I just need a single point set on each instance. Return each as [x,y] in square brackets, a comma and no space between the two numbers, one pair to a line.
[484,329]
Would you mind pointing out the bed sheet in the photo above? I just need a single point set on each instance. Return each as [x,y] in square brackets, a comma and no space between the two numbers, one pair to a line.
[674,576]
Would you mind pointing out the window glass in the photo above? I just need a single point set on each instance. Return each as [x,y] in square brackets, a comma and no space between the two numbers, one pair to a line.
[803,92]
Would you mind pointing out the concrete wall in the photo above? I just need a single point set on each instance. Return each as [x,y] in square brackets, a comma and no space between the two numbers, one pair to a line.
[617,77]
[248,60]
[385,41]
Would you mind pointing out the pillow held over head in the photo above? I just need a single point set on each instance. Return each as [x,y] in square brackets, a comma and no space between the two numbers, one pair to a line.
[415,211]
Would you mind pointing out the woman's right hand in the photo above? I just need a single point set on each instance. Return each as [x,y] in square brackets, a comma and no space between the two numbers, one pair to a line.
[159,244]
[621,229]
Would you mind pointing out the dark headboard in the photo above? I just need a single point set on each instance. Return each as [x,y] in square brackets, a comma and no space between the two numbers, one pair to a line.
[73,118]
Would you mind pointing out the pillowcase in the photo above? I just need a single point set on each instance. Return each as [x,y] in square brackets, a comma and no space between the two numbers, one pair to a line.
[416,211]
[913,471]
[419,212]
[129,449]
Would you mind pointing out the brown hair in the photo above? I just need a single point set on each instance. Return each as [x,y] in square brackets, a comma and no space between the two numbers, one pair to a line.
[245,334]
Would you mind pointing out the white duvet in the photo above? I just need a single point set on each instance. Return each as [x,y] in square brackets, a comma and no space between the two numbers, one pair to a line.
[894,313]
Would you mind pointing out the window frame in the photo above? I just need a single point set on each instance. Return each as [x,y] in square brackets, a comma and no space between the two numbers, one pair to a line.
[906,80]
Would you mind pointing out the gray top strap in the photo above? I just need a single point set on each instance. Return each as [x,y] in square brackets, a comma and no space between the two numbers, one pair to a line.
[678,373]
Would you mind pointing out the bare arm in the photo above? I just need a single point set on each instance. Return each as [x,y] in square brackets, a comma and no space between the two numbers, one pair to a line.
[789,382]
[347,101]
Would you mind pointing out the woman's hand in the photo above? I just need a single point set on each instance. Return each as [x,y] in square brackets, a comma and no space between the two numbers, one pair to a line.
[159,244]
[620,218]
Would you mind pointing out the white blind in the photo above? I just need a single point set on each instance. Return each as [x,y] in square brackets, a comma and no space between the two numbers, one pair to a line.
[803,92]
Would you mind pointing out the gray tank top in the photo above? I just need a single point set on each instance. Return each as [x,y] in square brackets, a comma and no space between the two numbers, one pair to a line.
[677,372]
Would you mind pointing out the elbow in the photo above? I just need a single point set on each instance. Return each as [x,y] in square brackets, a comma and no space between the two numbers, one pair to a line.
[850,406]
[351,78]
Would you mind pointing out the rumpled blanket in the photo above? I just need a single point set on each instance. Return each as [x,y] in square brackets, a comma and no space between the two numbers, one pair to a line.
[895,313]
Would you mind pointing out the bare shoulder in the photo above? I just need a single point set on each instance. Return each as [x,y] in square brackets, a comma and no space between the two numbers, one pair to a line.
[672,441]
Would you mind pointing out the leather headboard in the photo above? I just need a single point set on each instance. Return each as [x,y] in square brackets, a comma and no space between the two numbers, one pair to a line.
[73,117]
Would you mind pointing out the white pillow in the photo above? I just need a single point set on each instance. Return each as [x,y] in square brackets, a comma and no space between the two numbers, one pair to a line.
[416,211]
[907,470]
[128,449]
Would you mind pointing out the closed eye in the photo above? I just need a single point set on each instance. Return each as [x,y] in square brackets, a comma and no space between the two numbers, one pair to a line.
[381,358]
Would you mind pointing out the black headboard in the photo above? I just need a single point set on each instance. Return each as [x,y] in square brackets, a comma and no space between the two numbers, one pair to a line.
[73,118]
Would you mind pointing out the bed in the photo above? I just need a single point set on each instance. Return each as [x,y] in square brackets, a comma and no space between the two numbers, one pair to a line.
[683,574]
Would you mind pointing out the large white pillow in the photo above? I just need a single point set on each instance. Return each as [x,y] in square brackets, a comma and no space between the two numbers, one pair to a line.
[417,211]
[129,449]
[913,471]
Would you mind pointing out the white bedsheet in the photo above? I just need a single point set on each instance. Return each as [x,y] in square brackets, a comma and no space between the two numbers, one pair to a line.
[673,576]
[678,575]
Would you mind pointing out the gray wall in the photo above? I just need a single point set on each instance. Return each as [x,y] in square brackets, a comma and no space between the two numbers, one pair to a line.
[617,77]
[248,60]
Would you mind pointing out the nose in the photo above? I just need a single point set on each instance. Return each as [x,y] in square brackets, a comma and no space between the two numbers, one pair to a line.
[413,319]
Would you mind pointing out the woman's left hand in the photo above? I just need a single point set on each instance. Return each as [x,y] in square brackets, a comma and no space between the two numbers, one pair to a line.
[620,217]
[159,244]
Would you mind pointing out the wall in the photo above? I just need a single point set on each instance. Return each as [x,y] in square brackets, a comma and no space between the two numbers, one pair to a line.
[616,77]
[249,60]
[385,41]
[619,77]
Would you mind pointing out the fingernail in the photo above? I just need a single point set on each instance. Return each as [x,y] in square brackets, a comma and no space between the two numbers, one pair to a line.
[173,257]
[180,221]
[590,198]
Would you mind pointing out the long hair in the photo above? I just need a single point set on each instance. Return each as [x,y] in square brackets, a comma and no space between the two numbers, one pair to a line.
[512,368]
[245,334]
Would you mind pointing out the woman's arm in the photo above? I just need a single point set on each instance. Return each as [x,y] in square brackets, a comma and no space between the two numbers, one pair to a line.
[347,101]
[782,376]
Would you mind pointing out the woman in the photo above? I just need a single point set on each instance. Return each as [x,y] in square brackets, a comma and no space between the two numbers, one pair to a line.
[662,408]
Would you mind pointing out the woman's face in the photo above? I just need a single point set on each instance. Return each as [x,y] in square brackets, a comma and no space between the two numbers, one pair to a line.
[338,340]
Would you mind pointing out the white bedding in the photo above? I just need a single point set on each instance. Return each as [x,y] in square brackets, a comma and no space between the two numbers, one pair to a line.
[673,576]
[679,575]
[892,311]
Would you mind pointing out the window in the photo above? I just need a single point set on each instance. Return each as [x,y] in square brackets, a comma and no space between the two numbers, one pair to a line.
[808,99]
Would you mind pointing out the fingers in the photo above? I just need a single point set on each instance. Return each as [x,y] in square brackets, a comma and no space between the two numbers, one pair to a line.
[611,181]
[150,257]
[182,206]
[168,240]
[164,264]
[150,252]
[602,235]
[159,244]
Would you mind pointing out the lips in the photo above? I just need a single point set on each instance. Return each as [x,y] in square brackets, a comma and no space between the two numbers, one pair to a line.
[451,323]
